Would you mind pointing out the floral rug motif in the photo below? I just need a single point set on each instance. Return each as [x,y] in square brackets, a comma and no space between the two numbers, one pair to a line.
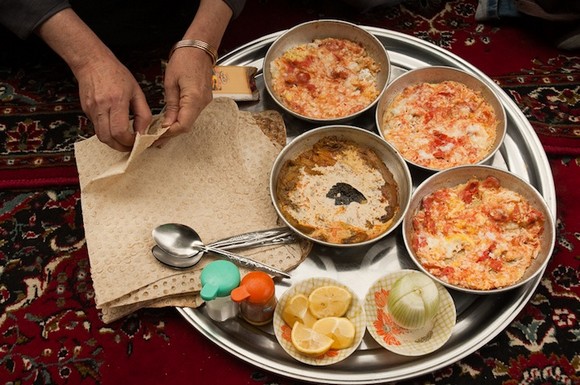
[50,331]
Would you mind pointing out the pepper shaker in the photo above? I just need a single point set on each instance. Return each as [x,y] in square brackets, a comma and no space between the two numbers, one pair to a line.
[257,298]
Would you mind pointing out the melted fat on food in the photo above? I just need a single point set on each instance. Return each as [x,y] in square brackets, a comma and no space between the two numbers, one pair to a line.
[440,125]
[477,235]
[328,78]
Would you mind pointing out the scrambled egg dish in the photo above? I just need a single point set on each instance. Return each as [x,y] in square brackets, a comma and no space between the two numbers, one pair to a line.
[328,78]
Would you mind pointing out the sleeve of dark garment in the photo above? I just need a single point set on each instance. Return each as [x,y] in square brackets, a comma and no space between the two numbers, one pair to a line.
[23,16]
[235,5]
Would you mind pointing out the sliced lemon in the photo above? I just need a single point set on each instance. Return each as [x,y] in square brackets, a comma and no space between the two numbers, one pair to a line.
[309,342]
[340,329]
[329,301]
[296,310]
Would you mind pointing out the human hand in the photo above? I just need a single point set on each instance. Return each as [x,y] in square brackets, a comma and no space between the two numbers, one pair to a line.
[108,92]
[187,90]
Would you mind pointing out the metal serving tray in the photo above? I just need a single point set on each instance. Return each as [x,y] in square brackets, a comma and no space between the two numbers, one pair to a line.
[479,318]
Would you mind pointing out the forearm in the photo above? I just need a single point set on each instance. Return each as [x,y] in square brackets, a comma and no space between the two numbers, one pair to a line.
[108,92]
[73,40]
[210,22]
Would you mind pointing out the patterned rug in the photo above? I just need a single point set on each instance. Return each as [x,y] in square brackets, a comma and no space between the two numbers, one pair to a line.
[49,327]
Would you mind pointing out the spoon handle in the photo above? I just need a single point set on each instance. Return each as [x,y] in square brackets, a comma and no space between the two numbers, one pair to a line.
[246,262]
[264,237]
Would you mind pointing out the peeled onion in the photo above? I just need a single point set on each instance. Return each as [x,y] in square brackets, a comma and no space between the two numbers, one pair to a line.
[413,300]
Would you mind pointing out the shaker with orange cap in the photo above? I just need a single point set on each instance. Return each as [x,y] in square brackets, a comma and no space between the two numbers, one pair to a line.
[257,297]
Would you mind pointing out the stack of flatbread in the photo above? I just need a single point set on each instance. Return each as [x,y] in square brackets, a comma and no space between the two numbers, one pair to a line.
[214,179]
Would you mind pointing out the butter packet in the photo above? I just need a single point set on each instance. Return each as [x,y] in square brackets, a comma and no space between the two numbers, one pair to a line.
[236,82]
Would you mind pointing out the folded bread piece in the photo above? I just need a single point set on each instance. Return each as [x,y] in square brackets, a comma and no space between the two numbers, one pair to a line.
[214,179]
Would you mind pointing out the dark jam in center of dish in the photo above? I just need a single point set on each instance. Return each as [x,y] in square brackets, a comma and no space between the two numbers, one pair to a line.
[344,194]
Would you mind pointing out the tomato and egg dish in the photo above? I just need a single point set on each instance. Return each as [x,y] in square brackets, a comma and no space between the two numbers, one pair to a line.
[477,235]
[327,78]
[338,191]
[440,125]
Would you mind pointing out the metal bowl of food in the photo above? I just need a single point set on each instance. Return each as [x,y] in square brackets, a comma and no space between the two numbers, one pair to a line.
[441,117]
[340,186]
[326,71]
[478,229]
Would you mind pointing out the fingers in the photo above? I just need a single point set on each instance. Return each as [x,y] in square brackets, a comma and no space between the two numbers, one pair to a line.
[171,105]
[109,133]
[141,113]
[113,128]
[187,90]
[180,118]
[112,122]
[108,93]
[119,128]
[189,109]
[192,105]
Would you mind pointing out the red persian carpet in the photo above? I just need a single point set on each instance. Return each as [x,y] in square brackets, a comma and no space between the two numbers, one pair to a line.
[50,330]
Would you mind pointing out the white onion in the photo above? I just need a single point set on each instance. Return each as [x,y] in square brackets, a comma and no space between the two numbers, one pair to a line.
[413,300]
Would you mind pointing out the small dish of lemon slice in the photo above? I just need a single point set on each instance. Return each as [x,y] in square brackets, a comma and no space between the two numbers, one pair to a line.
[319,321]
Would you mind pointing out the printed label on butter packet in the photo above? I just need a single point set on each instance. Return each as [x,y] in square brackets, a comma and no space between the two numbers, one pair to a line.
[236,82]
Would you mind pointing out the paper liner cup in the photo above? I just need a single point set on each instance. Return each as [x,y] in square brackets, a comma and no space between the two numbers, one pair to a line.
[398,339]
[355,313]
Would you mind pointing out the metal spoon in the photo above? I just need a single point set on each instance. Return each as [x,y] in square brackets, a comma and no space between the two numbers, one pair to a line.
[243,241]
[182,240]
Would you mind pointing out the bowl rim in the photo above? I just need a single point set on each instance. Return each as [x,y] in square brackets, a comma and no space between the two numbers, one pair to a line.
[315,134]
[538,264]
[363,32]
[386,98]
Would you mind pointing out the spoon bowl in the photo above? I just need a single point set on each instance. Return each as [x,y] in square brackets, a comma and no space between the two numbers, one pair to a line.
[174,261]
[177,239]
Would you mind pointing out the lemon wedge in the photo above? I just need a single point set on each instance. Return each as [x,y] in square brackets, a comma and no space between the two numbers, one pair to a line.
[296,310]
[308,341]
[329,301]
[340,329]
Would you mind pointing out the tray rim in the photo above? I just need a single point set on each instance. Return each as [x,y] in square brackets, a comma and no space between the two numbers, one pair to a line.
[545,186]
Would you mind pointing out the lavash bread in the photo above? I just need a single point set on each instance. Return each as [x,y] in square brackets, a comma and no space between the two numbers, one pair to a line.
[214,179]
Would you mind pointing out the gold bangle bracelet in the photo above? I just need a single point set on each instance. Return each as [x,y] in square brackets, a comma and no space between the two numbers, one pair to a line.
[199,44]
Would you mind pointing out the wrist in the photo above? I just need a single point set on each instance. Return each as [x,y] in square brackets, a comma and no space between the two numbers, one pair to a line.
[196,44]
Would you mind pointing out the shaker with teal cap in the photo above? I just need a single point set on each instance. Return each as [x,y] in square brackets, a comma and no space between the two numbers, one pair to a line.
[218,279]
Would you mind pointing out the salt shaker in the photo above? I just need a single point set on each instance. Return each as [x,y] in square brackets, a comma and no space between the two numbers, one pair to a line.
[218,279]
[257,298]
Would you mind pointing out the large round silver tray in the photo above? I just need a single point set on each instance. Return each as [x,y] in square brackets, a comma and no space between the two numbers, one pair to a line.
[479,318]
